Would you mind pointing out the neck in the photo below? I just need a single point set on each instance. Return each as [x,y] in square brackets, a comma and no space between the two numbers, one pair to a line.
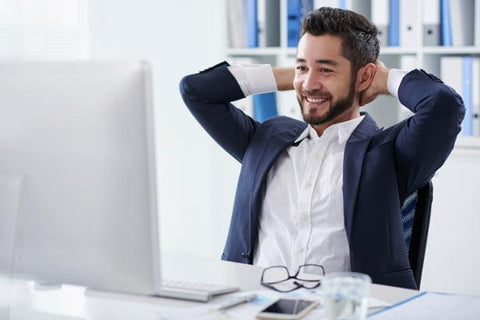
[350,114]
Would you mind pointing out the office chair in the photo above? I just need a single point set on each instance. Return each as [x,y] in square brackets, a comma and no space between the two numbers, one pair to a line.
[415,215]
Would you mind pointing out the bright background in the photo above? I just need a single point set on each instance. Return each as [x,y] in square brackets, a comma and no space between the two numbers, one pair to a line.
[197,180]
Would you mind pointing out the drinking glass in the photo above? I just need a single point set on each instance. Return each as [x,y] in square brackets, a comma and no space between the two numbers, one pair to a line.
[345,295]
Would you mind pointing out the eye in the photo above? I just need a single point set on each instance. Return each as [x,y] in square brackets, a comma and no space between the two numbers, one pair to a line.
[325,70]
[301,68]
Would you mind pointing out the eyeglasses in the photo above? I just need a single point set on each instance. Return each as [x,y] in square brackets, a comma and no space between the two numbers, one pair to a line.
[279,279]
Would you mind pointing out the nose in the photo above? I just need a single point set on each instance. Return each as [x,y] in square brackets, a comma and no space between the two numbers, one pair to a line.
[311,82]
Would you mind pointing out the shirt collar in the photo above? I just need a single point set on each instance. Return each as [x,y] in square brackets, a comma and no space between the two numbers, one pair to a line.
[343,130]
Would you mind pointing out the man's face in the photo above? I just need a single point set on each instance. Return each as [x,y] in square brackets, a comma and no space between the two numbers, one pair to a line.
[323,81]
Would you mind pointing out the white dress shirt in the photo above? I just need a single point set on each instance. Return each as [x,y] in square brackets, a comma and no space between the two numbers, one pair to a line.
[302,218]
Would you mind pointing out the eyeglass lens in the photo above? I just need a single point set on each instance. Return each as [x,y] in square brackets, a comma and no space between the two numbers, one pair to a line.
[310,273]
[275,274]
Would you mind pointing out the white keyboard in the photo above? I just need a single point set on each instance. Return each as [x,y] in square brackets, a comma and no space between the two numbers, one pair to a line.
[196,291]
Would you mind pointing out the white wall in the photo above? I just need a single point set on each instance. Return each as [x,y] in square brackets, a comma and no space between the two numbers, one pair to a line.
[452,259]
[196,179]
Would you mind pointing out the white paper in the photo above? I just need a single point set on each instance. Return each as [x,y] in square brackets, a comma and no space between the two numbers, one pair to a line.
[433,306]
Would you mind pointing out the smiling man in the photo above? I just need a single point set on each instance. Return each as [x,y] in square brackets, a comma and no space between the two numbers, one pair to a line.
[327,190]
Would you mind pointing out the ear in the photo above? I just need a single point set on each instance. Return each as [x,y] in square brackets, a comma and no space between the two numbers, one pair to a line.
[365,76]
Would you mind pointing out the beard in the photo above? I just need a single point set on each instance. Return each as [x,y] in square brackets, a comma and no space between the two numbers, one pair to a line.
[337,108]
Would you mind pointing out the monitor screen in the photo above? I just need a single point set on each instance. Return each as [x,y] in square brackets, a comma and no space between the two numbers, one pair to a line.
[80,135]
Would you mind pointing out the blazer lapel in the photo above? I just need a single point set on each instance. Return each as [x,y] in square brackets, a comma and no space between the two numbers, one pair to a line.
[352,166]
[271,150]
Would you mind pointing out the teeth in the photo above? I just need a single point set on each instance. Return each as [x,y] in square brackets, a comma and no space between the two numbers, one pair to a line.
[315,100]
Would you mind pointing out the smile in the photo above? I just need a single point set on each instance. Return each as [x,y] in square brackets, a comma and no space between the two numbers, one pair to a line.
[315,100]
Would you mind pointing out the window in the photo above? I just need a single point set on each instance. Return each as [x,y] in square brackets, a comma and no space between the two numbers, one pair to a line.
[43,29]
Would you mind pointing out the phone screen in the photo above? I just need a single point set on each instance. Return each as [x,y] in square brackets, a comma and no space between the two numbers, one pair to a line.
[288,306]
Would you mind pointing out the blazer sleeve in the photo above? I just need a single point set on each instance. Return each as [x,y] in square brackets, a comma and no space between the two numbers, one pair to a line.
[207,95]
[426,140]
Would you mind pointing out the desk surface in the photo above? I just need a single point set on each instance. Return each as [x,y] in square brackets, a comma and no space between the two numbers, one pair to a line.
[72,302]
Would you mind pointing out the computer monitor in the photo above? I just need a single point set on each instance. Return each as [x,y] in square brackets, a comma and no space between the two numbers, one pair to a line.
[80,136]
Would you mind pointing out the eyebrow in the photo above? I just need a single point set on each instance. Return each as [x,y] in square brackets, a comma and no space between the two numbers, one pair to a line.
[320,61]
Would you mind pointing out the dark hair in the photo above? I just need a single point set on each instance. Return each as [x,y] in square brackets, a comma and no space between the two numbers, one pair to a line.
[359,36]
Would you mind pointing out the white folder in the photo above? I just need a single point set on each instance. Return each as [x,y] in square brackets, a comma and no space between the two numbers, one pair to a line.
[236,22]
[462,22]
[409,28]
[452,73]
[477,23]
[431,22]
[326,3]
[476,96]
[380,12]
[359,6]
[268,17]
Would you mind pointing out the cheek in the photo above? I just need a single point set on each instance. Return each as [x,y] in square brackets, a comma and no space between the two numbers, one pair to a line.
[297,83]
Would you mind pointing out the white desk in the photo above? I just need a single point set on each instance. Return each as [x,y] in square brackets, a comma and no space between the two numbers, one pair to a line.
[72,303]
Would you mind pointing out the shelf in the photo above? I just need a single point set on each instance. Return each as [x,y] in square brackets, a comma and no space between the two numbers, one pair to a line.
[451,50]
[464,142]
[397,51]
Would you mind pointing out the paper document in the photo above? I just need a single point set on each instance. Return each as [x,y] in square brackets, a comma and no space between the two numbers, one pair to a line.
[429,305]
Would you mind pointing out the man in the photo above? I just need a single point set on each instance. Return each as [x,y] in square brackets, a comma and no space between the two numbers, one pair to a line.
[328,190]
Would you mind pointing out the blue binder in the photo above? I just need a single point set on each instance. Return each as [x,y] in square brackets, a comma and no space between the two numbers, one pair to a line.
[251,23]
[296,10]
[394,28]
[445,24]
[264,106]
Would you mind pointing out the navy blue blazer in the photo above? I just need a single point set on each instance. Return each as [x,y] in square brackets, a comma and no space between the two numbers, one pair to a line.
[380,167]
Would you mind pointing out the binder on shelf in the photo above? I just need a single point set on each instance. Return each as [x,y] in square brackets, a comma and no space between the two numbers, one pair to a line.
[251,23]
[457,73]
[461,15]
[409,29]
[296,11]
[445,28]
[329,3]
[476,96]
[294,15]
[359,6]
[476,21]
[431,22]
[394,28]
[380,17]
[236,22]
[268,21]
[264,106]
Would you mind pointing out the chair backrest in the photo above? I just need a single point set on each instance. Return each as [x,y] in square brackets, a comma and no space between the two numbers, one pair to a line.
[415,214]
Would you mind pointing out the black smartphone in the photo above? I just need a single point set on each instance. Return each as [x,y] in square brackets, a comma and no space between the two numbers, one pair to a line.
[287,309]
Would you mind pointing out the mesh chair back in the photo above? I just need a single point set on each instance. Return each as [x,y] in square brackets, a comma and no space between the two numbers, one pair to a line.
[415,216]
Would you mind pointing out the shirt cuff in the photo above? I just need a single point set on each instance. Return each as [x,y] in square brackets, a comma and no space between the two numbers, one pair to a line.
[253,79]
[395,77]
